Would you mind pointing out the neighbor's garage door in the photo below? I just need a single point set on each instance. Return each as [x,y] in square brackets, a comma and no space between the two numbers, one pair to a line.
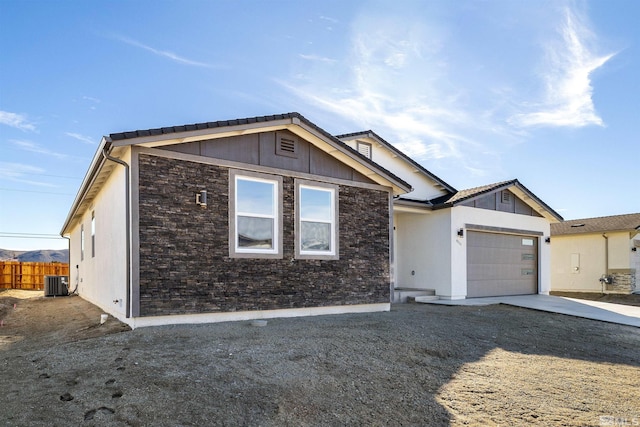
[501,264]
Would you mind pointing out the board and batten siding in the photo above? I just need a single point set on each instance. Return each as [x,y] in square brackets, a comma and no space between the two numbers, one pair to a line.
[262,149]
[503,201]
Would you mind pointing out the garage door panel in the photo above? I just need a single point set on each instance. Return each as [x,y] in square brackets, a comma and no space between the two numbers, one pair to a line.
[497,272]
[494,240]
[501,264]
[494,255]
[499,288]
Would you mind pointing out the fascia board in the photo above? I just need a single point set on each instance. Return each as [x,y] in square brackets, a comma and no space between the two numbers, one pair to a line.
[400,205]
[152,141]
[632,233]
[535,203]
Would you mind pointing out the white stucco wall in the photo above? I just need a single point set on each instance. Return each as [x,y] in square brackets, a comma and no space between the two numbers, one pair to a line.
[428,244]
[619,250]
[423,187]
[635,258]
[462,215]
[423,247]
[589,250]
[102,279]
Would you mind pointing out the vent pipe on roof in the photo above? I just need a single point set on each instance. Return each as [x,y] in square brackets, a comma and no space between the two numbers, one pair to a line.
[127,227]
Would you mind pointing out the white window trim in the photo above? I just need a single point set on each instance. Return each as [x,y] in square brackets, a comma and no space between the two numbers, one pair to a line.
[234,250]
[334,253]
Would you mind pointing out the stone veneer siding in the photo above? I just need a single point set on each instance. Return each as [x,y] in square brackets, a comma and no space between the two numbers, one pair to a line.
[624,281]
[184,254]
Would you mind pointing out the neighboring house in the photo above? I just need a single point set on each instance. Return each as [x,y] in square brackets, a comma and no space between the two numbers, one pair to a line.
[273,217]
[596,254]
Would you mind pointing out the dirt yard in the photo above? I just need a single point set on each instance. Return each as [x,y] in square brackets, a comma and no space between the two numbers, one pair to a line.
[626,299]
[417,365]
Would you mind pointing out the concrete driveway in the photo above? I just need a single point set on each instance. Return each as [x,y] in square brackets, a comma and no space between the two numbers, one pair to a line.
[603,311]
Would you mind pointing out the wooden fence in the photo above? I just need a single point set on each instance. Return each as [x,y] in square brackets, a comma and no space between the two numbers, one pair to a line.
[29,275]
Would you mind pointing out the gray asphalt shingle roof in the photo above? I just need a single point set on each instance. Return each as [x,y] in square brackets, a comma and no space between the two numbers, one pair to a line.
[627,222]
[469,193]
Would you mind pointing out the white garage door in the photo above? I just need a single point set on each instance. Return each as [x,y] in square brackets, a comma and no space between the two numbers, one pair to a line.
[501,264]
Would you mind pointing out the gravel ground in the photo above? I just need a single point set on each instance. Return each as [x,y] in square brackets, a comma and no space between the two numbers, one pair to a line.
[416,365]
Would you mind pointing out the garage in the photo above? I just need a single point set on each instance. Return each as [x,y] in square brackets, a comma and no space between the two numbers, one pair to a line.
[501,264]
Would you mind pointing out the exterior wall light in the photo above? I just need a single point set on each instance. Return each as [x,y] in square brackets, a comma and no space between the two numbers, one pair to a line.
[461,232]
[634,249]
[201,198]
[547,239]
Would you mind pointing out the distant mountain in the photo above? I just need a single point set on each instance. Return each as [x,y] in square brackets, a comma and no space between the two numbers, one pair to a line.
[41,255]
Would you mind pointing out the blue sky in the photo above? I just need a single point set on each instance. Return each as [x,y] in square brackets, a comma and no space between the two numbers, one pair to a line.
[476,91]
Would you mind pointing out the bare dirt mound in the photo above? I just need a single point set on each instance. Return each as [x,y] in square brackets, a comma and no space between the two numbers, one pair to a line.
[31,320]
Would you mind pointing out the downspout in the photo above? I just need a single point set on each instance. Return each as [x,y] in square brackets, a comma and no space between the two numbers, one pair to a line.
[606,257]
[69,264]
[106,155]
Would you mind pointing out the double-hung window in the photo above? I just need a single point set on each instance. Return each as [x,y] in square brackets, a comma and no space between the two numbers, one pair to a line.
[316,220]
[256,220]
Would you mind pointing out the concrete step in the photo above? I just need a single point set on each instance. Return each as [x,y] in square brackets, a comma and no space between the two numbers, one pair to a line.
[426,298]
[401,295]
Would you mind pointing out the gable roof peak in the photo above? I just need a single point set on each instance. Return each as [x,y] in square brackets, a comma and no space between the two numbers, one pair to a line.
[518,188]
[371,134]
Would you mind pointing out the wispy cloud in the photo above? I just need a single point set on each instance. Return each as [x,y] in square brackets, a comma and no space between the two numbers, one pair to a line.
[81,138]
[569,64]
[329,19]
[165,53]
[36,148]
[18,172]
[18,121]
[317,58]
[92,99]
[447,100]
[376,88]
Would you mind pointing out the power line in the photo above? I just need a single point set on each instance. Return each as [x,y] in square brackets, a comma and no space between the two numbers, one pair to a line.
[56,176]
[35,191]
[32,237]
[29,235]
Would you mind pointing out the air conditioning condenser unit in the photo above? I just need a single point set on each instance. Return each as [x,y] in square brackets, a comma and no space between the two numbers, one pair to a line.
[56,286]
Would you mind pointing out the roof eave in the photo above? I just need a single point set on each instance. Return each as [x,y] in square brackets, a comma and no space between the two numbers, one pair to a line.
[96,164]
[545,210]
[598,232]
